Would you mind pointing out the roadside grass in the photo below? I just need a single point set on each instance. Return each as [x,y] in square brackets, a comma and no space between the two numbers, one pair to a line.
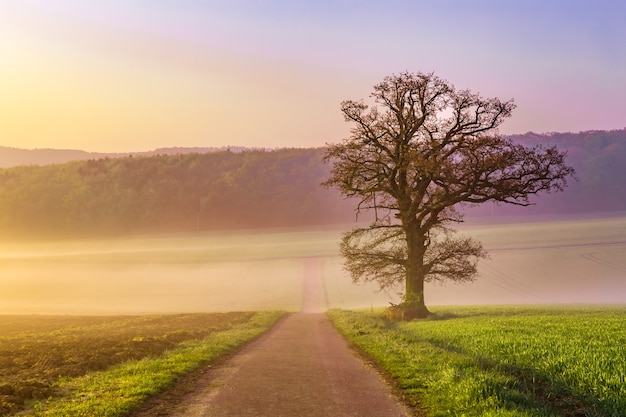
[501,361]
[107,366]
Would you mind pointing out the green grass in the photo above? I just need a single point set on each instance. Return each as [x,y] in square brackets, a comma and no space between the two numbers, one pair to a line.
[122,387]
[35,351]
[502,361]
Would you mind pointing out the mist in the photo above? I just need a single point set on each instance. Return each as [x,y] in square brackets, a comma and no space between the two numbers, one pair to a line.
[548,262]
[559,261]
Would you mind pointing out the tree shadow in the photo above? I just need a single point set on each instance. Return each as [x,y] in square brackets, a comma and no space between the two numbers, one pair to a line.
[503,311]
[530,390]
[445,316]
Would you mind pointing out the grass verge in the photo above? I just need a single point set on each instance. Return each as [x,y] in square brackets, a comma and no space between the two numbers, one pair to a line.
[501,361]
[120,389]
[35,351]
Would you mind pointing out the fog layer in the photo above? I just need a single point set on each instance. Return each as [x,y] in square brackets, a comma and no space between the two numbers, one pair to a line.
[541,262]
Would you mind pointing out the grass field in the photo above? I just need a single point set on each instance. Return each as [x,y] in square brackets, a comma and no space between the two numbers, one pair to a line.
[107,365]
[502,361]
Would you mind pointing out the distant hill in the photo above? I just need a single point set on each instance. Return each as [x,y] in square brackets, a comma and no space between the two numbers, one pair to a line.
[599,158]
[198,189]
[186,192]
[12,157]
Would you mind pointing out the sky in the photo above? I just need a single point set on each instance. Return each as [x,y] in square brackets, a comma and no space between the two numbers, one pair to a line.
[136,75]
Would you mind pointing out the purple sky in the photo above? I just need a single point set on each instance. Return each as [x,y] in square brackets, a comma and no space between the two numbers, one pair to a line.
[136,75]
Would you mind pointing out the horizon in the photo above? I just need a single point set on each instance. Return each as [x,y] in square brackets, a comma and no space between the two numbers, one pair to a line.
[229,146]
[138,76]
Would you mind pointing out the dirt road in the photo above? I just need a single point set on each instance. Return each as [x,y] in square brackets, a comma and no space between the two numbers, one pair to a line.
[302,367]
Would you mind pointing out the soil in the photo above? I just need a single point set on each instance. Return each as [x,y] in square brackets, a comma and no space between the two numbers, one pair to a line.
[301,367]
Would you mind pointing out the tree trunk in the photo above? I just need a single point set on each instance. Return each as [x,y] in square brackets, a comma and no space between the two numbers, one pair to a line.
[414,281]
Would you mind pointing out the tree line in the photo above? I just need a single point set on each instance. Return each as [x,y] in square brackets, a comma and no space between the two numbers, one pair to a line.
[170,193]
[599,158]
[254,189]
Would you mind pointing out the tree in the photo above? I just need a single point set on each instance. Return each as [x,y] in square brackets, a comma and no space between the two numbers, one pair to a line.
[419,152]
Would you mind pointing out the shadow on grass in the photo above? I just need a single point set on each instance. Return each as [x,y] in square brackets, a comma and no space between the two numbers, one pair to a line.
[446,316]
[529,390]
[451,313]
[464,312]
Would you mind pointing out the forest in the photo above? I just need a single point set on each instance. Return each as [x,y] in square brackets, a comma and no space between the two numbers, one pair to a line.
[170,193]
[599,158]
[190,192]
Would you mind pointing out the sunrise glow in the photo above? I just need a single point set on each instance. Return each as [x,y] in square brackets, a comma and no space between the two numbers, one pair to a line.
[117,76]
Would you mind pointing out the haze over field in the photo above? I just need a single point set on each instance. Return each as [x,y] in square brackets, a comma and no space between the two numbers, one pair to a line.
[580,261]
[129,77]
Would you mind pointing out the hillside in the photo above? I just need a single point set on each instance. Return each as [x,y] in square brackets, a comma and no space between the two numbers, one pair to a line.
[12,157]
[197,189]
[599,158]
[179,193]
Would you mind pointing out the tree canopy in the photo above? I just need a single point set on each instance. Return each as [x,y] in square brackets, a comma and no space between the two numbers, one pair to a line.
[421,149]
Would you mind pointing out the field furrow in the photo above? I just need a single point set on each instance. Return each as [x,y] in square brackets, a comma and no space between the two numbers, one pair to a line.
[39,353]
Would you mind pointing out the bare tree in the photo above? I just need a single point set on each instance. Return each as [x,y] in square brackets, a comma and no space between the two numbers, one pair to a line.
[422,149]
